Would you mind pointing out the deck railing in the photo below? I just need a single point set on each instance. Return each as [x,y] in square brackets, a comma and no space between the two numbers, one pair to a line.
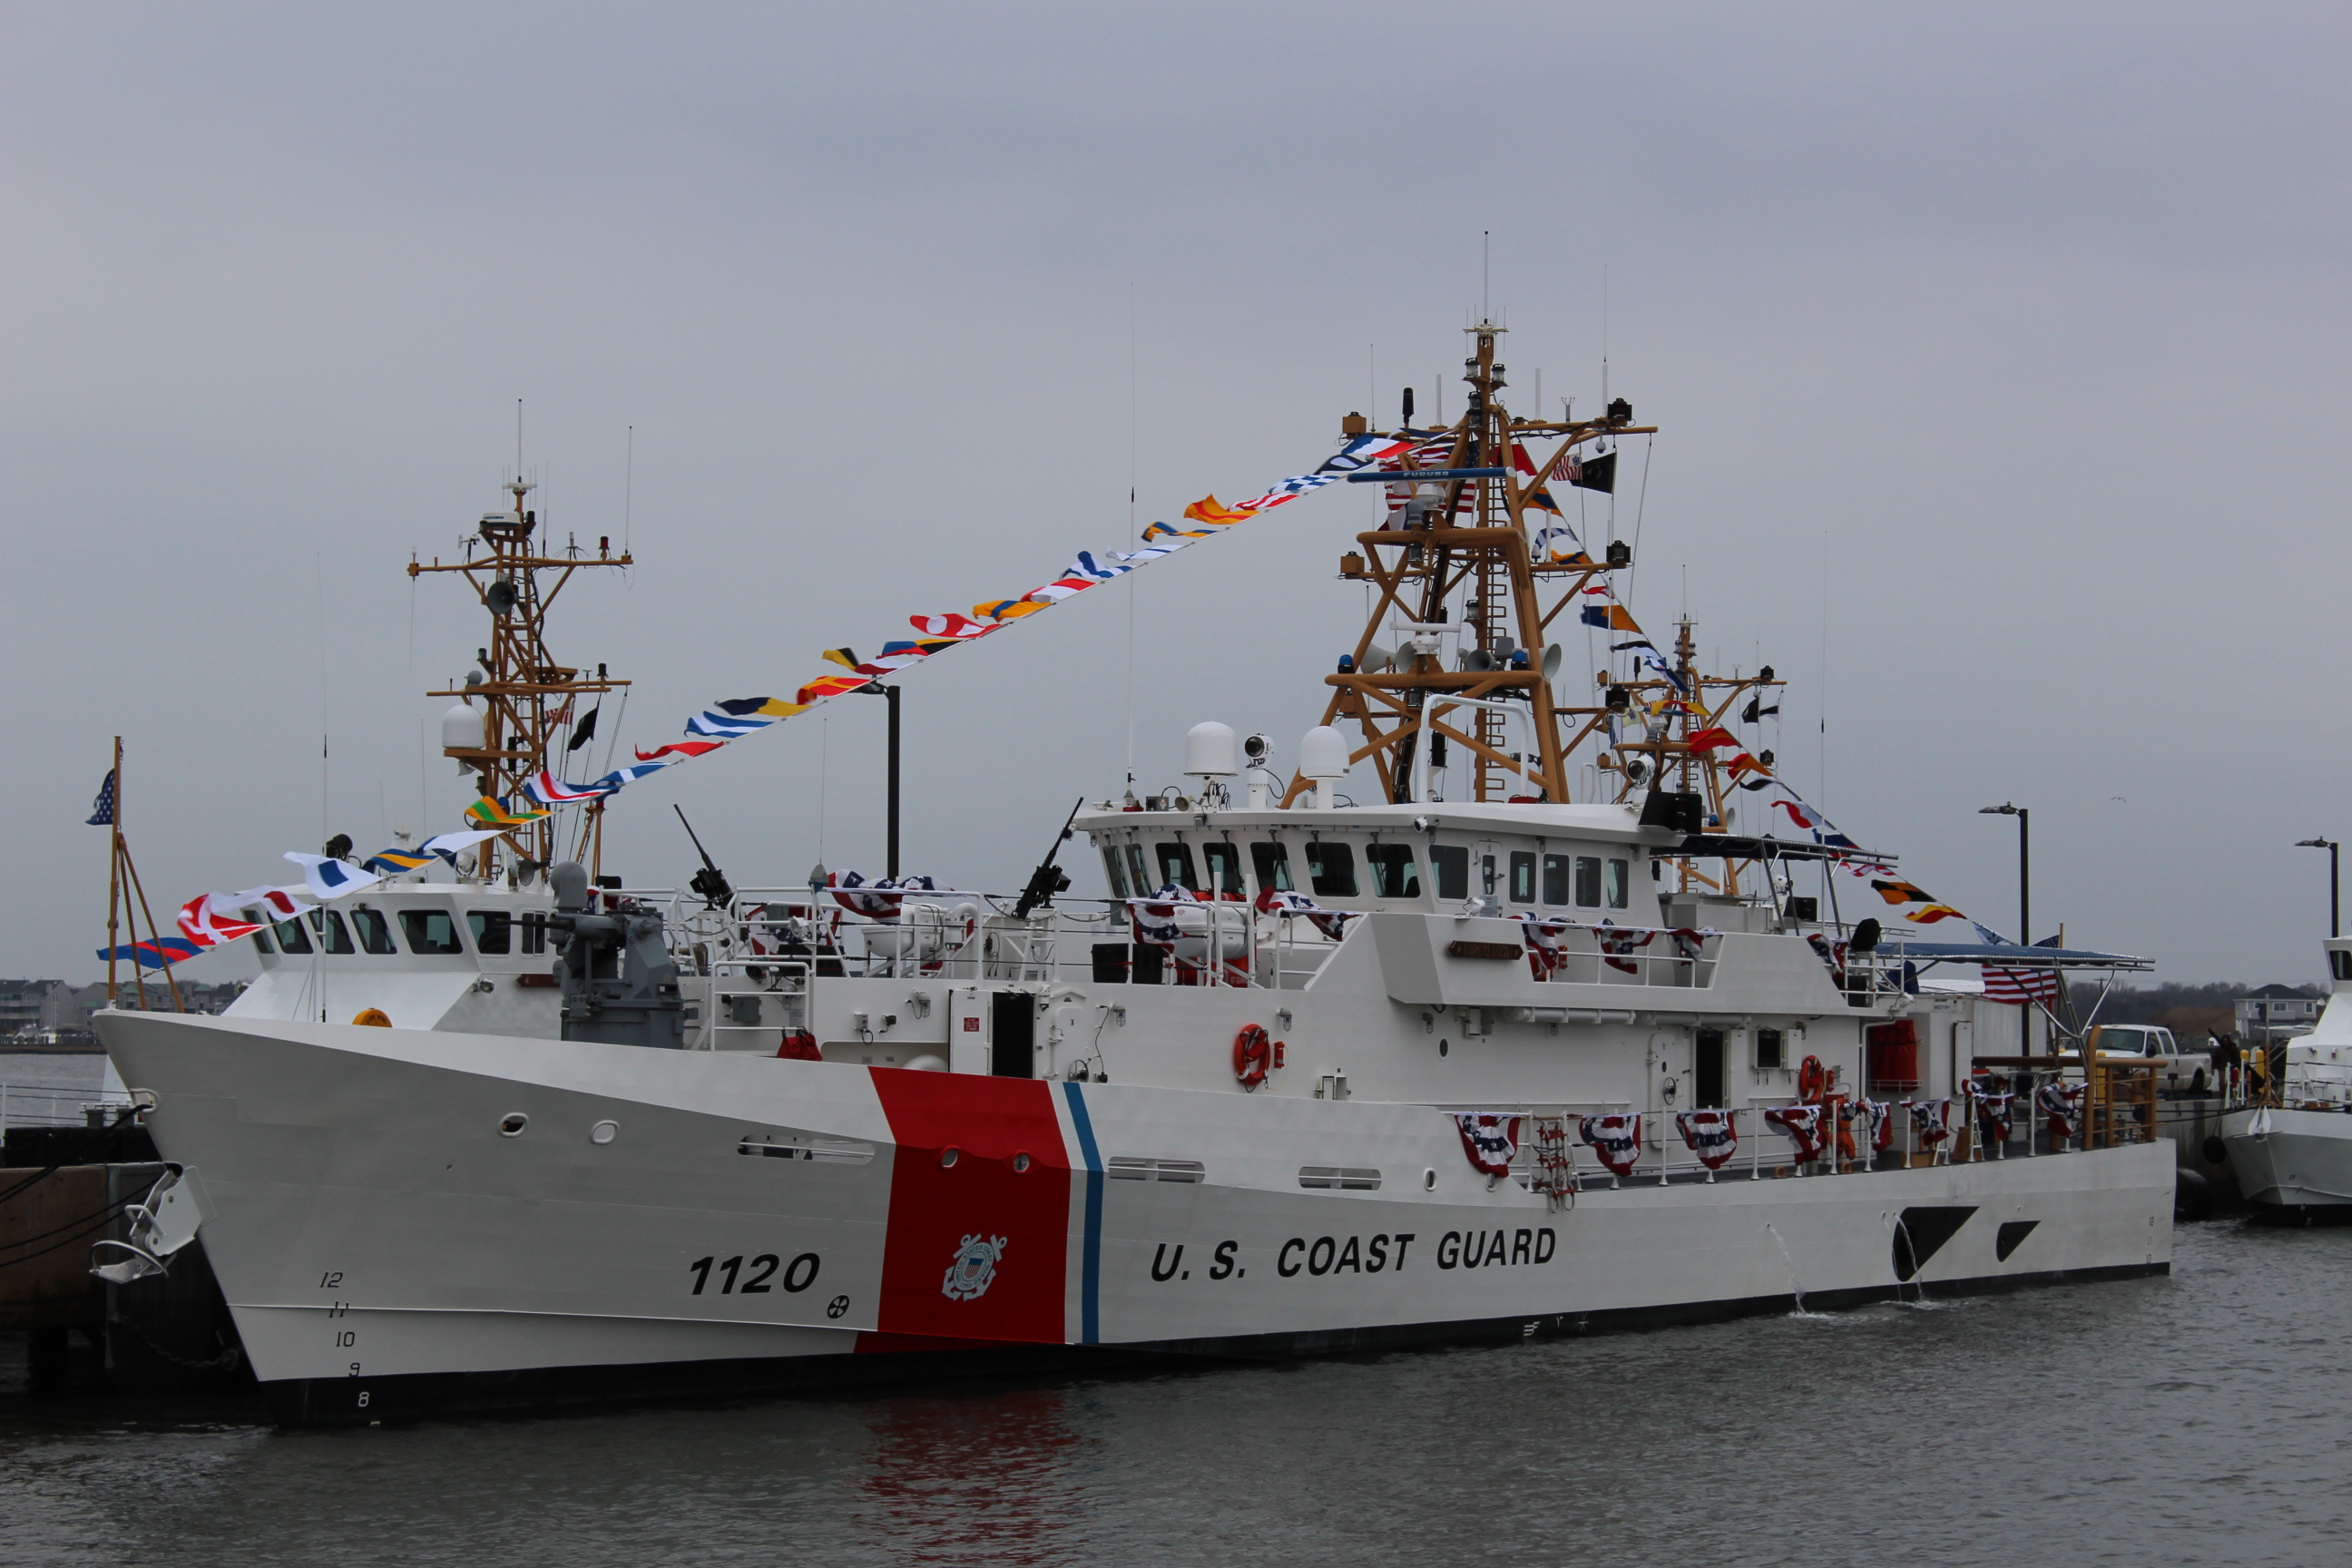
[1763,1153]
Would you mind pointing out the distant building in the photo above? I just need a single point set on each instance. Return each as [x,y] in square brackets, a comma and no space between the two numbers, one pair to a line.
[2277,1013]
[30,1007]
[195,997]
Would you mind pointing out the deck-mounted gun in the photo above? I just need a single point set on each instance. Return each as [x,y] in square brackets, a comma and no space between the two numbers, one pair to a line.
[1048,878]
[620,986]
[710,882]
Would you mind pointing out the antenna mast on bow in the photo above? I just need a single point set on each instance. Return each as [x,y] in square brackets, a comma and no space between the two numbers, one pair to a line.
[529,700]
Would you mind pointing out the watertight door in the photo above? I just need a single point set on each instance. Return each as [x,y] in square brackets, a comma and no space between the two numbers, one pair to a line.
[1711,1095]
[1013,1035]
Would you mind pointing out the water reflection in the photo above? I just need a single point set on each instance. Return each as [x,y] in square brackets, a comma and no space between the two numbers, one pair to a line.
[984,1477]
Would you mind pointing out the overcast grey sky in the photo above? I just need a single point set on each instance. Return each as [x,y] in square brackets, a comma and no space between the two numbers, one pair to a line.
[2013,337]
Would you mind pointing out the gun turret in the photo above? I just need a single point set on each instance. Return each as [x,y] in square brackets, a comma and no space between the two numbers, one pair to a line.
[710,882]
[1048,878]
[620,985]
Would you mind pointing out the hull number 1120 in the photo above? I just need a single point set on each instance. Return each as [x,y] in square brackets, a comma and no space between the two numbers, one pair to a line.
[736,1278]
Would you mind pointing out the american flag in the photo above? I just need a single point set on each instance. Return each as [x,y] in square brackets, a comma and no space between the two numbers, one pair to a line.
[101,810]
[2003,982]
[1437,454]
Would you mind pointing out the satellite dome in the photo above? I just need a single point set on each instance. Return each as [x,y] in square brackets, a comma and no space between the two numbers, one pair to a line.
[461,729]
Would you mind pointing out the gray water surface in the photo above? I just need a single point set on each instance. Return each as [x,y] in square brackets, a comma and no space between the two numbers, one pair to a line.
[2202,1418]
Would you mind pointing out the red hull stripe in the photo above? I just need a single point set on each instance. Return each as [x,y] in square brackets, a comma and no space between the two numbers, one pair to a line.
[940,1212]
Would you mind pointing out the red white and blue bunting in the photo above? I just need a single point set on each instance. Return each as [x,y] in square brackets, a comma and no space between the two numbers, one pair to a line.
[1617,1138]
[1931,1120]
[1490,1139]
[2062,1105]
[1712,1135]
[1802,1125]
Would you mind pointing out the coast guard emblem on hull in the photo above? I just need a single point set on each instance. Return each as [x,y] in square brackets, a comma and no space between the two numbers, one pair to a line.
[974,1268]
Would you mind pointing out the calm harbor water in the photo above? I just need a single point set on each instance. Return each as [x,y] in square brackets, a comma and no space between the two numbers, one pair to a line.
[2203,1418]
[38,1087]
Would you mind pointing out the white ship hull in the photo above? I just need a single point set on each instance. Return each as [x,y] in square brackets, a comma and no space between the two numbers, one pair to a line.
[387,1249]
[2292,1161]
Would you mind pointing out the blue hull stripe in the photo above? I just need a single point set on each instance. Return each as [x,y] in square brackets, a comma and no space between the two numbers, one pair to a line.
[1090,1287]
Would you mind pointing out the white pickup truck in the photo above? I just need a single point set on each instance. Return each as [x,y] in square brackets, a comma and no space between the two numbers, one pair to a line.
[2178,1070]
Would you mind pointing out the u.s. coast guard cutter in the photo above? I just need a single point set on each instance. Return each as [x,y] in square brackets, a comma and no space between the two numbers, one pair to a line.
[1564,1052]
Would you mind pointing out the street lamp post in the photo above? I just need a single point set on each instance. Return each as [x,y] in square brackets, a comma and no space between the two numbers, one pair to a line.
[2335,884]
[890,837]
[2024,865]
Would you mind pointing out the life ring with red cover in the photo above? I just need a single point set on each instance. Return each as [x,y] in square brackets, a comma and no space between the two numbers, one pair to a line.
[1812,1080]
[1253,1054]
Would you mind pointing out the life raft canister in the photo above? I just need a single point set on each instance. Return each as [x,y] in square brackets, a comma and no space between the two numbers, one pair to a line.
[1252,1055]
[1812,1080]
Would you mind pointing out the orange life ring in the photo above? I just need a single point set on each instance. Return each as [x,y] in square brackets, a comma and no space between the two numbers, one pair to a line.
[1812,1080]
[1253,1053]
[373,1017]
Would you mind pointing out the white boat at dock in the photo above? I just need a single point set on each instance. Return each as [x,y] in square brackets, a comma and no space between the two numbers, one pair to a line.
[2291,1149]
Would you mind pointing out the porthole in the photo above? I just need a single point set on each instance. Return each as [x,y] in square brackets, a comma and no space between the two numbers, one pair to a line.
[511,1124]
[946,1157]
[1441,1048]
[1429,1181]
[604,1133]
[1020,1162]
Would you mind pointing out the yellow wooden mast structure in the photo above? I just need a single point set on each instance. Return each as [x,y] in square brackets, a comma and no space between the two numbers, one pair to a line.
[123,887]
[1469,535]
[1463,533]
[1660,756]
[529,700]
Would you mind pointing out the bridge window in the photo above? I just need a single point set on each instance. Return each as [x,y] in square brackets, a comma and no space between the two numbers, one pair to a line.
[2339,963]
[493,930]
[1394,875]
[1112,872]
[433,932]
[1176,866]
[1450,863]
[1224,862]
[1619,881]
[1331,868]
[1588,881]
[291,937]
[534,930]
[375,932]
[1273,863]
[260,939]
[1555,879]
[332,938]
[1523,877]
[1137,874]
